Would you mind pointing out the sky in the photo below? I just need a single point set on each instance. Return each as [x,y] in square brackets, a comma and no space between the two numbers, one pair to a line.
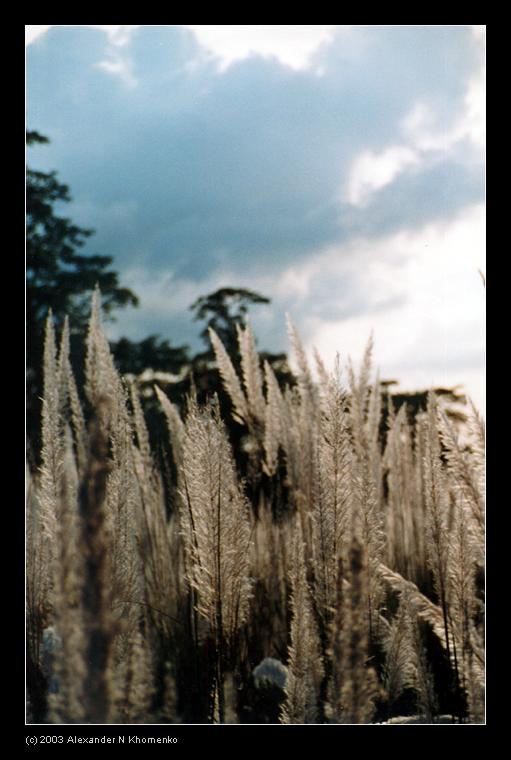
[337,170]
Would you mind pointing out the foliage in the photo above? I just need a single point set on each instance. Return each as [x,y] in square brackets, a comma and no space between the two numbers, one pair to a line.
[58,278]
[226,312]
[223,310]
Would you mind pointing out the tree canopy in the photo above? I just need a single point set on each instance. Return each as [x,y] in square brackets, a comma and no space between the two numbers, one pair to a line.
[58,276]
[223,310]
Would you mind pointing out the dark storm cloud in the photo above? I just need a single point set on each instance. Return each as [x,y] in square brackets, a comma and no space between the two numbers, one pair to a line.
[192,169]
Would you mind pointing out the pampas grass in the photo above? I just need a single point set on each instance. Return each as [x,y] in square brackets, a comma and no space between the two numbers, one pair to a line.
[349,553]
[305,667]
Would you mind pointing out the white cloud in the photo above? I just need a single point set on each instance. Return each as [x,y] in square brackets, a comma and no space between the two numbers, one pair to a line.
[120,66]
[117,63]
[421,295]
[423,130]
[424,134]
[418,291]
[118,34]
[294,45]
[373,171]
[475,116]
[419,127]
[32,32]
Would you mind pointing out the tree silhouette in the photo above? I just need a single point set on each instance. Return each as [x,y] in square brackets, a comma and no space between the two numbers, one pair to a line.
[224,311]
[58,277]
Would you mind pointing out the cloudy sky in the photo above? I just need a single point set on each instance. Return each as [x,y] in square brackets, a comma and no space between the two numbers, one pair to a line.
[338,170]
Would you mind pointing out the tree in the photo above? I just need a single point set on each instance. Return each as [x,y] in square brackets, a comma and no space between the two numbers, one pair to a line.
[223,310]
[151,353]
[58,277]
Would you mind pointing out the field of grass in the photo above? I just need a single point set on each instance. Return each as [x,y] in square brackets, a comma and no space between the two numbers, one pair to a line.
[328,568]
